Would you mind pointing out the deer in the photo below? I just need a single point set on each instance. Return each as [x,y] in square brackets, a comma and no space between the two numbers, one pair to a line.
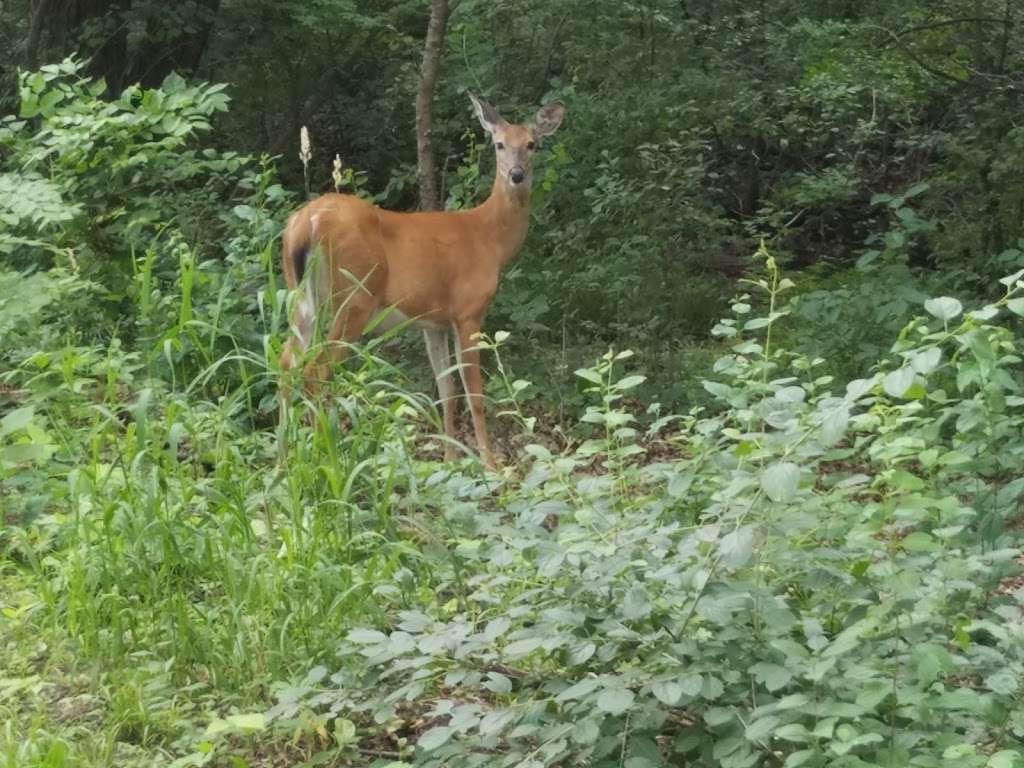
[348,261]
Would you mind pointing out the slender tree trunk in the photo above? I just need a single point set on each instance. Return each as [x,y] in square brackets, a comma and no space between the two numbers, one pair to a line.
[39,10]
[433,49]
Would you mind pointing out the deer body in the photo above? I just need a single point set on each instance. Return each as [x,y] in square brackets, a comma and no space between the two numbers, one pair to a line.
[439,269]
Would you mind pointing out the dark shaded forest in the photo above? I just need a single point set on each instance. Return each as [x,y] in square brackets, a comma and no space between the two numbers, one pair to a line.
[755,377]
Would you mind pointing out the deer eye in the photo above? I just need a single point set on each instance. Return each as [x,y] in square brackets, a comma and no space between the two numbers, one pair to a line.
[500,145]
[530,146]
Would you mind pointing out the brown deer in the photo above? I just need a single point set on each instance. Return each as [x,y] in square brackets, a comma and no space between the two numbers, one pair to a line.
[437,269]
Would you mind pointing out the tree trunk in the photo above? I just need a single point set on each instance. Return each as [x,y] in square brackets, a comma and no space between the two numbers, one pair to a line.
[39,11]
[433,49]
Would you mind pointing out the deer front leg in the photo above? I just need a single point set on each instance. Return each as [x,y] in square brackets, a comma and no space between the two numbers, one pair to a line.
[469,368]
[440,356]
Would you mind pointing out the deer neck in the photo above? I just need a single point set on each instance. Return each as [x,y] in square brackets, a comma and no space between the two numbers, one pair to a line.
[507,211]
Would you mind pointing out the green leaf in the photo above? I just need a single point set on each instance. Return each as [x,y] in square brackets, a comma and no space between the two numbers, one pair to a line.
[761,729]
[793,732]
[1003,682]
[800,757]
[523,647]
[897,383]
[944,307]
[629,382]
[251,722]
[1010,280]
[615,701]
[17,419]
[781,481]
[772,676]
[1016,306]
[216,727]
[834,425]
[495,722]
[1007,758]
[579,690]
[590,375]
[926,361]
[367,637]
[585,732]
[692,684]
[737,546]
[668,692]
[434,738]
[983,314]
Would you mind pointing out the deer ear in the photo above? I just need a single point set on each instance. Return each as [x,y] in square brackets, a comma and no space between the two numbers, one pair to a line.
[487,115]
[548,118]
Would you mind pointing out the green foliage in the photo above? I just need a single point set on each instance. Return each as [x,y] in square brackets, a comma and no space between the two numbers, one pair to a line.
[806,554]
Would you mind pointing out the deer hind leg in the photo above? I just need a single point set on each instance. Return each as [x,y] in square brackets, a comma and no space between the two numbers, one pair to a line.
[296,348]
[439,353]
[349,321]
[469,368]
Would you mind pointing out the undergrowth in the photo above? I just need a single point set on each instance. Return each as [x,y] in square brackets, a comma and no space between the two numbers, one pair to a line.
[813,573]
[800,568]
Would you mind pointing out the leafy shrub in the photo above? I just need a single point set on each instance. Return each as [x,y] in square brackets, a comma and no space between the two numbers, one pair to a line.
[811,586]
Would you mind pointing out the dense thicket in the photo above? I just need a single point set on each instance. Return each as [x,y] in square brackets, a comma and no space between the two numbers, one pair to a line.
[697,129]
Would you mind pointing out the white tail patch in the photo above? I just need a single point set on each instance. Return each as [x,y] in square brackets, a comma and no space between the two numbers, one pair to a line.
[305,310]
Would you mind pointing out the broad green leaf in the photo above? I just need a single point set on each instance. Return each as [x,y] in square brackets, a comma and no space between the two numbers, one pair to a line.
[366,637]
[793,732]
[630,382]
[523,647]
[919,541]
[1010,280]
[1007,758]
[585,732]
[21,453]
[252,722]
[761,729]
[983,314]
[772,676]
[497,683]
[615,701]
[579,690]
[1003,682]
[927,360]
[781,481]
[896,383]
[668,692]
[495,722]
[1016,306]
[17,419]
[800,757]
[580,652]
[944,307]
[590,375]
[737,546]
[959,752]
[434,738]
[834,425]
[692,684]
[216,727]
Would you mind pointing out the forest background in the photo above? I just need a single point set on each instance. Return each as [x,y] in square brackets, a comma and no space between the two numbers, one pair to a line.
[804,220]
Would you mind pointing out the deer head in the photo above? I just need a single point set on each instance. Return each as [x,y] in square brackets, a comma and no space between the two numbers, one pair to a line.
[515,144]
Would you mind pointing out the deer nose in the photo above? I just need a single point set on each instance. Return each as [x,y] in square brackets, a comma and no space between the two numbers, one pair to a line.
[516,175]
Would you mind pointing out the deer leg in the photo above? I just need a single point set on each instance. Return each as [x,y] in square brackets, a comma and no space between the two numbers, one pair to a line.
[440,361]
[349,322]
[469,368]
[295,350]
